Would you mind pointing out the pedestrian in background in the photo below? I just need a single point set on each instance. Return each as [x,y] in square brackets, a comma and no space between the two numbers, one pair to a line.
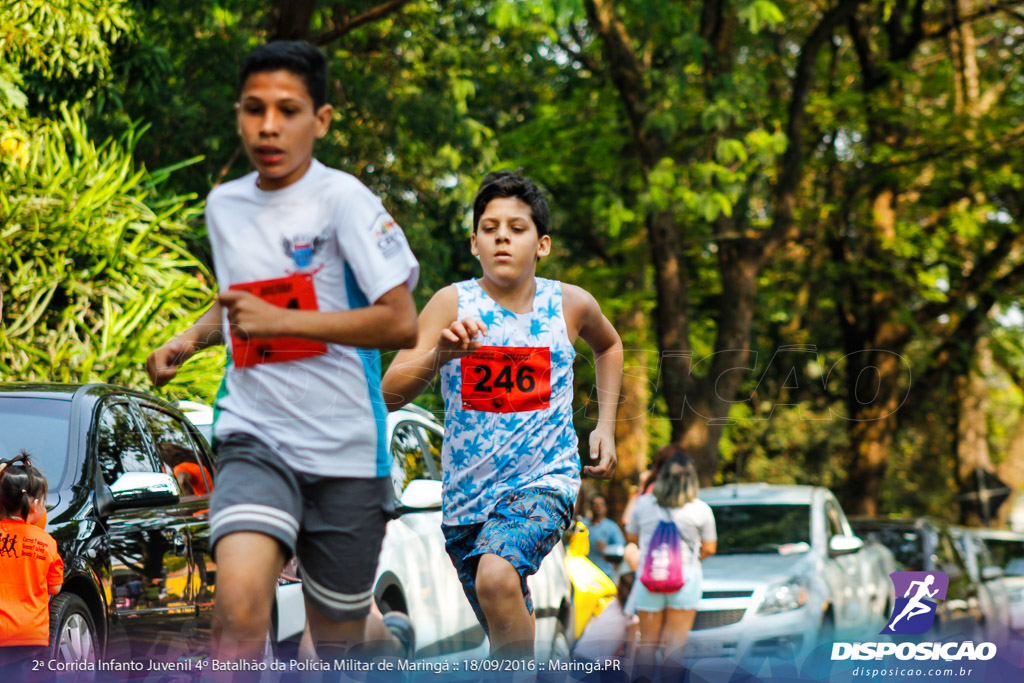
[666,618]
[604,532]
[31,569]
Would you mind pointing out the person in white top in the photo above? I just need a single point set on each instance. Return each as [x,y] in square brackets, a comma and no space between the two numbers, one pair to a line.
[314,277]
[666,618]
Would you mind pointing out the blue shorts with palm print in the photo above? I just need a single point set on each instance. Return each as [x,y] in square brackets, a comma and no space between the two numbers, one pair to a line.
[522,528]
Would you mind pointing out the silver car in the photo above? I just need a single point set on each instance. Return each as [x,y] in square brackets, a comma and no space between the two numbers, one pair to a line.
[789,574]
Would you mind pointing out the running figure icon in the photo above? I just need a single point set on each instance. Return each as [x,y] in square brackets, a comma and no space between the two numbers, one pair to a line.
[914,612]
[914,607]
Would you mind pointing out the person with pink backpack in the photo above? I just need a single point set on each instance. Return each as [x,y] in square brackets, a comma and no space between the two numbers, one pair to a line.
[675,531]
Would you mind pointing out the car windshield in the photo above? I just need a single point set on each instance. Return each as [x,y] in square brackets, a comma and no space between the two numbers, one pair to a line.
[1007,554]
[906,543]
[761,528]
[39,426]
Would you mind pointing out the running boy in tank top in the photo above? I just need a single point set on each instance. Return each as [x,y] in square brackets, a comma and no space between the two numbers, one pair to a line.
[504,346]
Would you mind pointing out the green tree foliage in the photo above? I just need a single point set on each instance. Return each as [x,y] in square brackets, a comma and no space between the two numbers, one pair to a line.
[96,269]
[97,273]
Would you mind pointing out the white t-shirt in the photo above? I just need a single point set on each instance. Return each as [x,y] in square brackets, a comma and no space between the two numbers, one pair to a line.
[695,521]
[323,243]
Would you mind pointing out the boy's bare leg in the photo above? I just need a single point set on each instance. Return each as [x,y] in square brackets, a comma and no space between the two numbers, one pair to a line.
[376,633]
[500,594]
[248,564]
[333,639]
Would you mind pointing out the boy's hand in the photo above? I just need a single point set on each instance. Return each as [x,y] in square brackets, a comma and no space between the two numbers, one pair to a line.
[251,316]
[162,365]
[461,338]
[602,449]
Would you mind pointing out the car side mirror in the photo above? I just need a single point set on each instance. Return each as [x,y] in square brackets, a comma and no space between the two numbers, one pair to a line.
[420,495]
[991,573]
[841,544]
[144,489]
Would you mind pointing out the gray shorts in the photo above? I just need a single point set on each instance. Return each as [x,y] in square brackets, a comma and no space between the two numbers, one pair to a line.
[335,525]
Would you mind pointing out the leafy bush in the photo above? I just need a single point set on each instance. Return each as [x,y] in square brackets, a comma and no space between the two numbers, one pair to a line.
[97,272]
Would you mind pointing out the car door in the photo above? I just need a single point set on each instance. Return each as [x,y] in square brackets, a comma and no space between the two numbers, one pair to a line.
[444,621]
[961,609]
[182,454]
[849,591]
[148,546]
[467,631]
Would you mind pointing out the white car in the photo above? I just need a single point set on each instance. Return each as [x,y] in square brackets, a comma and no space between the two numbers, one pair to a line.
[789,574]
[414,574]
[1007,548]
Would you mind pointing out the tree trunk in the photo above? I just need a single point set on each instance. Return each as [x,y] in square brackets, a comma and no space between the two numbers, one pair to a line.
[710,399]
[291,19]
[875,392]
[671,316]
[972,434]
[632,440]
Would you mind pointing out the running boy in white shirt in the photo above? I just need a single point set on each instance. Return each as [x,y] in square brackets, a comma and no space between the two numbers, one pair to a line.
[504,346]
[314,275]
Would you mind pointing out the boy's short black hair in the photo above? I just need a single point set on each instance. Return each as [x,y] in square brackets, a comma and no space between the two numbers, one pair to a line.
[303,59]
[499,184]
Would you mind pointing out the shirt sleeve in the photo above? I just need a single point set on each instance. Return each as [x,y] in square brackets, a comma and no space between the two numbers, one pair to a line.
[55,576]
[374,245]
[708,531]
[633,525]
[616,537]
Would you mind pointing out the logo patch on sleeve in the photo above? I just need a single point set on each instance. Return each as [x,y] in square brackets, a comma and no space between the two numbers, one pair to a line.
[388,235]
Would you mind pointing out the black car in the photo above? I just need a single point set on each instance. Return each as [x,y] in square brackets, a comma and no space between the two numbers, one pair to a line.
[926,544]
[129,487]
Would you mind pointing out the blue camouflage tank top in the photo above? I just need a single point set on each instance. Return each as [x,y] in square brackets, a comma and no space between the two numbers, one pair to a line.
[508,406]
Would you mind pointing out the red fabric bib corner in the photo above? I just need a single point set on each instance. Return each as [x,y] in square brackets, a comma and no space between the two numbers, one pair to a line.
[296,292]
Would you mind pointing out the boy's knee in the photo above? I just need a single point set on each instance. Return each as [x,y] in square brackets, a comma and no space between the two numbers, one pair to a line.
[497,581]
[239,610]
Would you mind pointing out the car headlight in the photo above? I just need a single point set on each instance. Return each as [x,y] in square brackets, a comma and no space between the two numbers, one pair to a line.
[785,596]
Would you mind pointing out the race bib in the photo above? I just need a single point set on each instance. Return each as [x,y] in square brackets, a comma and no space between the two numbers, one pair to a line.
[506,379]
[295,291]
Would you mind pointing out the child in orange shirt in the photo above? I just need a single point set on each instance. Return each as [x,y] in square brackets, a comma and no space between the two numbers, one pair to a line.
[30,568]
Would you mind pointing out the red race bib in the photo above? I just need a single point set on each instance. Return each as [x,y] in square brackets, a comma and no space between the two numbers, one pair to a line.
[295,291]
[506,379]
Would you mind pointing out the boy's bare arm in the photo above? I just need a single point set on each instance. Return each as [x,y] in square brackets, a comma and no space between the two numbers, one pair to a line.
[163,364]
[441,338]
[388,323]
[585,314]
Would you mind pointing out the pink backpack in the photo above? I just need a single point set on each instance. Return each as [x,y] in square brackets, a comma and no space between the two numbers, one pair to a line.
[663,566]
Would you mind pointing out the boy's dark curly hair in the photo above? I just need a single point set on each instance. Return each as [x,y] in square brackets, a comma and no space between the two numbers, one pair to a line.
[499,184]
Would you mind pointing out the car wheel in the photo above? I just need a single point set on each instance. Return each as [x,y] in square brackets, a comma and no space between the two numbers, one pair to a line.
[827,630]
[72,631]
[559,642]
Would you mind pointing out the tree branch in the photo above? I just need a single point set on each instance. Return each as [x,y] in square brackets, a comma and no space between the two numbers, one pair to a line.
[347,25]
[625,68]
[791,167]
[946,27]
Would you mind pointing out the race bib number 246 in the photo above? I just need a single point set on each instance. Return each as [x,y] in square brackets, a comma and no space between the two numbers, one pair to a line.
[507,379]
